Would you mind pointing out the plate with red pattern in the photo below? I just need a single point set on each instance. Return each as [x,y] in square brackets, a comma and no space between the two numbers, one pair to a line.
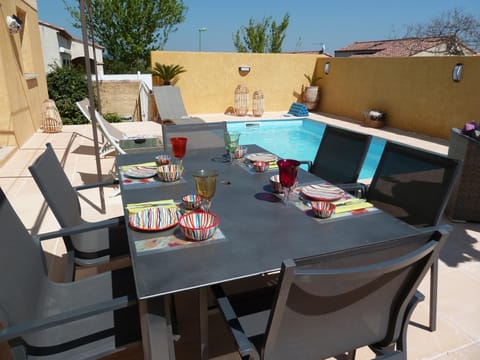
[154,219]
[324,192]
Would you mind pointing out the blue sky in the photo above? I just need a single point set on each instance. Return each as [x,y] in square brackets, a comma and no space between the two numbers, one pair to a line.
[335,23]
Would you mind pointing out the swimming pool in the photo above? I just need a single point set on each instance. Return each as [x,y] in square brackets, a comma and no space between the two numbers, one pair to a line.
[297,139]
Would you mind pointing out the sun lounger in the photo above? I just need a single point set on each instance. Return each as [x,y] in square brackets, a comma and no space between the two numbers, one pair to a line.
[170,106]
[115,139]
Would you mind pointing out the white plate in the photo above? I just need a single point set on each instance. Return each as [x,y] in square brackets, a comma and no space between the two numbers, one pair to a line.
[325,192]
[261,157]
[141,172]
[154,219]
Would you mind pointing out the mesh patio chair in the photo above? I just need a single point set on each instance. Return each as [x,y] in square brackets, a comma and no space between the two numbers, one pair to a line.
[170,106]
[200,136]
[333,304]
[104,240]
[42,319]
[414,185]
[340,155]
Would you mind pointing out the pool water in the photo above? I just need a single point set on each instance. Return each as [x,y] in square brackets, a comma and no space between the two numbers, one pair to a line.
[297,139]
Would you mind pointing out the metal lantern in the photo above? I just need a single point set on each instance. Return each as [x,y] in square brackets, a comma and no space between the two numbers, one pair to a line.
[241,100]
[257,103]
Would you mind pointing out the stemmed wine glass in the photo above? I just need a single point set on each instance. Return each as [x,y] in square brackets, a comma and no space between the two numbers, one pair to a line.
[179,147]
[231,143]
[287,169]
[206,183]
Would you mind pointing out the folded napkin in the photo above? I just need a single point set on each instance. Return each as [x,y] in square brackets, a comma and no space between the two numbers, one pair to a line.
[273,165]
[136,207]
[151,164]
[345,206]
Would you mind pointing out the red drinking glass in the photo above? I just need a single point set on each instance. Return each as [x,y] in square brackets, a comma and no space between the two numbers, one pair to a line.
[288,169]
[179,147]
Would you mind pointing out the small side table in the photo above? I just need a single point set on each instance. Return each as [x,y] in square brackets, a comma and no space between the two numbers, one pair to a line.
[141,144]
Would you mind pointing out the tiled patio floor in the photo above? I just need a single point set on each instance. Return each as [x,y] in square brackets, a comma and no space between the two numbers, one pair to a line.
[458,334]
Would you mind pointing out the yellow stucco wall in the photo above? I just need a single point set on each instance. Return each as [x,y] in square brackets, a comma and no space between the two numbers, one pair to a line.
[23,85]
[417,94]
[209,84]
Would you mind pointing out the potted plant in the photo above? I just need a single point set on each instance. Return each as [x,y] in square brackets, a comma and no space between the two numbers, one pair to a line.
[167,73]
[310,93]
[373,118]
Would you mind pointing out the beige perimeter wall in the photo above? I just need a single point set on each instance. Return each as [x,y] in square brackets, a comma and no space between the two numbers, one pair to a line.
[416,93]
[22,78]
[209,84]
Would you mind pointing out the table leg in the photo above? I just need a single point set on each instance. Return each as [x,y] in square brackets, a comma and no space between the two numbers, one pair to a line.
[203,311]
[156,326]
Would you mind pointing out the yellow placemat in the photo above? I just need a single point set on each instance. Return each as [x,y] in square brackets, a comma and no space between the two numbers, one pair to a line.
[136,207]
[353,206]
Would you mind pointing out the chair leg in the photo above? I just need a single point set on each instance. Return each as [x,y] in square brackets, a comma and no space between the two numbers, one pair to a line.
[433,296]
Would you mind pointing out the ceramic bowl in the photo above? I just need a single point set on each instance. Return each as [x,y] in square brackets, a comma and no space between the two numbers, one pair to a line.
[170,172]
[240,152]
[163,159]
[191,201]
[199,225]
[323,209]
[275,184]
[261,166]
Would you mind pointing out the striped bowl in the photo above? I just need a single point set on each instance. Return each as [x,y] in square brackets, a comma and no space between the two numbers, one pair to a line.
[191,201]
[323,209]
[162,159]
[199,225]
[275,184]
[261,166]
[170,172]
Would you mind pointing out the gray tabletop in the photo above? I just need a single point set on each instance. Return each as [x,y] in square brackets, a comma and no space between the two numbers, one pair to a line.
[260,231]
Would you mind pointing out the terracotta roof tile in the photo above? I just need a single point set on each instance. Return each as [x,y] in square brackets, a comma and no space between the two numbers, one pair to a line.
[398,47]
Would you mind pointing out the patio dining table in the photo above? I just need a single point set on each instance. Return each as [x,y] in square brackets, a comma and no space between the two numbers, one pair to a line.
[256,232]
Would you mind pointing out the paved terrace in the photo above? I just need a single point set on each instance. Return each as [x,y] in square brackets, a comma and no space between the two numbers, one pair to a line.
[458,334]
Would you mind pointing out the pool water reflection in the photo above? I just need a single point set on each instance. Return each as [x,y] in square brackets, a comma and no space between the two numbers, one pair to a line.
[297,139]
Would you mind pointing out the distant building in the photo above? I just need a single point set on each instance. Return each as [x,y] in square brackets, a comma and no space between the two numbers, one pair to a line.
[433,46]
[59,47]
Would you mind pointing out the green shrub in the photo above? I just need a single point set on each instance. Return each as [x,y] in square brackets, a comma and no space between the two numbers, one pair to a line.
[66,85]
[113,117]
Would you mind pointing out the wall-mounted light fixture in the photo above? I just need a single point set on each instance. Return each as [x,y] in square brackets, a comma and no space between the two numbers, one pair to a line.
[244,69]
[326,68]
[457,72]
[14,24]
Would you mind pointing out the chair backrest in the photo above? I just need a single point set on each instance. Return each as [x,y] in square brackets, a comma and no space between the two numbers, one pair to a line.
[63,200]
[200,136]
[22,266]
[413,185]
[331,304]
[169,102]
[340,155]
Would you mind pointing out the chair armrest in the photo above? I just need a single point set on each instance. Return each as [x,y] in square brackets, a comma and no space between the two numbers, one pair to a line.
[66,317]
[357,189]
[95,185]
[245,346]
[308,162]
[401,342]
[81,228]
